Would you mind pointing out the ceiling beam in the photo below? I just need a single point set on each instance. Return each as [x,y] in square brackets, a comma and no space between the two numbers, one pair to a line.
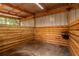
[73,5]
[14,14]
[18,8]
[10,14]
[5,16]
[44,6]
[59,9]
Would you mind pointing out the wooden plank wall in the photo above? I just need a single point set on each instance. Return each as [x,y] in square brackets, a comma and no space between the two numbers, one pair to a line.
[10,36]
[51,35]
[74,32]
[48,29]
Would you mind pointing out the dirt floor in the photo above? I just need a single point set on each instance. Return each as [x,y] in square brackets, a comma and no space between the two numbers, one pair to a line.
[36,48]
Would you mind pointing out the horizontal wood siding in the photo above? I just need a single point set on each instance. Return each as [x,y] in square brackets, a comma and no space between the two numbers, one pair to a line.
[74,33]
[12,35]
[51,35]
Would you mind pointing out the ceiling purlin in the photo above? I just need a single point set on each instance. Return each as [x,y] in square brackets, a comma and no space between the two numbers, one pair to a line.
[53,10]
[74,5]
[10,14]
[66,5]
[56,7]
[45,8]
[13,14]
[17,7]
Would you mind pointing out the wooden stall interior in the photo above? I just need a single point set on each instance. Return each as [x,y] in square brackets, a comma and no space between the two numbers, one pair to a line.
[29,26]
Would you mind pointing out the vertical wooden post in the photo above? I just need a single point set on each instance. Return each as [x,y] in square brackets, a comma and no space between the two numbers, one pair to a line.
[19,22]
[34,28]
[68,18]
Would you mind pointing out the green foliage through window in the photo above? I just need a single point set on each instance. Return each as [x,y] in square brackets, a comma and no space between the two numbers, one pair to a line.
[9,21]
[2,20]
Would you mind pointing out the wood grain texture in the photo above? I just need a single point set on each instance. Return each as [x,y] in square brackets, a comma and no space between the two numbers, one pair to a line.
[12,35]
[51,35]
[74,38]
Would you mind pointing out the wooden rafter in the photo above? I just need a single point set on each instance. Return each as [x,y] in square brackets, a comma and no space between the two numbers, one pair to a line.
[10,14]
[51,11]
[44,6]
[7,12]
[54,9]
[17,7]
[5,16]
[74,5]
